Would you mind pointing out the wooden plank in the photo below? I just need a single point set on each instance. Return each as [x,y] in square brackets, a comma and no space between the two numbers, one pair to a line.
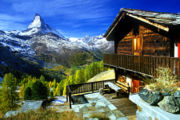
[112,86]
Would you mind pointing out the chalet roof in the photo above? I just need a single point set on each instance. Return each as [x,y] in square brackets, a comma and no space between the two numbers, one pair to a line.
[161,20]
[157,17]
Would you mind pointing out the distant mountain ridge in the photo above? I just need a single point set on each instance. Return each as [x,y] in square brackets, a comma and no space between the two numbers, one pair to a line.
[39,42]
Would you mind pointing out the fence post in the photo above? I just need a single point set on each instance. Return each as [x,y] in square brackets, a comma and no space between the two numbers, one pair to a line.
[69,96]
[70,100]
[67,92]
[92,87]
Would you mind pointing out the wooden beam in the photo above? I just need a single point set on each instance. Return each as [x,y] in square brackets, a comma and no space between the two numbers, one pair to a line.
[114,26]
[149,22]
[143,74]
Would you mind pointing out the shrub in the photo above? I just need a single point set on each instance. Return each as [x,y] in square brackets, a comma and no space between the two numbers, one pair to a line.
[165,81]
[28,94]
[39,91]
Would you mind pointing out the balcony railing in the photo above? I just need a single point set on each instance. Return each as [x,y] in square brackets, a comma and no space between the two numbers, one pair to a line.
[84,88]
[147,65]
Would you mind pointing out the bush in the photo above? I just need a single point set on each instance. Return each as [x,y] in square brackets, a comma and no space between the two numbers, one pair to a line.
[165,81]
[28,94]
[39,91]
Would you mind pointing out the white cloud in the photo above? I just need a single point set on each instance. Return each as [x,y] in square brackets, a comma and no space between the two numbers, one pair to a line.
[10,25]
[11,22]
[76,9]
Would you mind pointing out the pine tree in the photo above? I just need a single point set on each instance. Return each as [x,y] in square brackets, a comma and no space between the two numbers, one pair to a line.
[64,90]
[39,91]
[42,79]
[81,76]
[60,87]
[21,91]
[77,77]
[9,95]
[28,94]
[54,83]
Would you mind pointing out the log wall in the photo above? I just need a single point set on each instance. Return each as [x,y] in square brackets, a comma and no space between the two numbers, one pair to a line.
[154,44]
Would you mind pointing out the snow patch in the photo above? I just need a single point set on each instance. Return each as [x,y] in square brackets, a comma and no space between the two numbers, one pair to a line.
[37,22]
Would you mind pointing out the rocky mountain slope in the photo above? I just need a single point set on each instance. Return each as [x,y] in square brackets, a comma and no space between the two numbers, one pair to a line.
[42,44]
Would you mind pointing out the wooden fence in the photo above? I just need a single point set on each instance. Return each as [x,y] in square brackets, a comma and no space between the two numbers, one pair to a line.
[142,64]
[84,88]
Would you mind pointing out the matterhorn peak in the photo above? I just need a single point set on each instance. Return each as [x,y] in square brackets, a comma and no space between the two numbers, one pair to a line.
[38,26]
[37,22]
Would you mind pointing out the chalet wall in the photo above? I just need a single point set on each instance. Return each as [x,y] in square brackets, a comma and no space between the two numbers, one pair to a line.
[125,45]
[153,43]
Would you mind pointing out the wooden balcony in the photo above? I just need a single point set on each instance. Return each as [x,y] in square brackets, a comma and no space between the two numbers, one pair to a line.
[145,65]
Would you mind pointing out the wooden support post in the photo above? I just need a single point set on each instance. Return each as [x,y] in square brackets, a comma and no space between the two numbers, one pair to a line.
[92,87]
[70,100]
[116,74]
[67,94]
[129,89]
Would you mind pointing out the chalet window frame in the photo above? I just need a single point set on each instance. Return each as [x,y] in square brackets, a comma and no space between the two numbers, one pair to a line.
[138,44]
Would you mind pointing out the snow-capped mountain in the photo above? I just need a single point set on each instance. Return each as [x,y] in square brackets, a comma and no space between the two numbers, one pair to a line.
[38,26]
[16,43]
[96,42]
[39,40]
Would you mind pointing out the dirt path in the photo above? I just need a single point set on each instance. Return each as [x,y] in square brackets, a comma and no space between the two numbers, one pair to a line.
[103,76]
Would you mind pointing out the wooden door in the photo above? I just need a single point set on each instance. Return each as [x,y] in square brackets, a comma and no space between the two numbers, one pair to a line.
[135,86]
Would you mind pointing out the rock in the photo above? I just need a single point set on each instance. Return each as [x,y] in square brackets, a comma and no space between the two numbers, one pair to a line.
[100,104]
[117,113]
[84,109]
[166,94]
[178,101]
[112,107]
[31,105]
[11,113]
[177,94]
[150,97]
[169,104]
[101,91]
[154,98]
[144,94]
[112,117]
[123,118]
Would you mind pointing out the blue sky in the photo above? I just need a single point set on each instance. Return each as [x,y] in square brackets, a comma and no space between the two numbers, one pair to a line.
[75,18]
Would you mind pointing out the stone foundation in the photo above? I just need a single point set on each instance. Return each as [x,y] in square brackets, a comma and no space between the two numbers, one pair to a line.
[148,112]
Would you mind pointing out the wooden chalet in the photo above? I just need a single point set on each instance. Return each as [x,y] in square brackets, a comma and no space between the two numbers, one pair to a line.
[144,41]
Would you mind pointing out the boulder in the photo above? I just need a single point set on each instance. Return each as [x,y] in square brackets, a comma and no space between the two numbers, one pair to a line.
[101,91]
[166,94]
[178,101]
[177,94]
[154,98]
[100,105]
[144,94]
[84,109]
[31,105]
[169,104]
[150,97]
[112,117]
[11,113]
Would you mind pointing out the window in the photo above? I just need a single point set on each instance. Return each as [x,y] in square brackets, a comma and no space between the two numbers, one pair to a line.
[137,44]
